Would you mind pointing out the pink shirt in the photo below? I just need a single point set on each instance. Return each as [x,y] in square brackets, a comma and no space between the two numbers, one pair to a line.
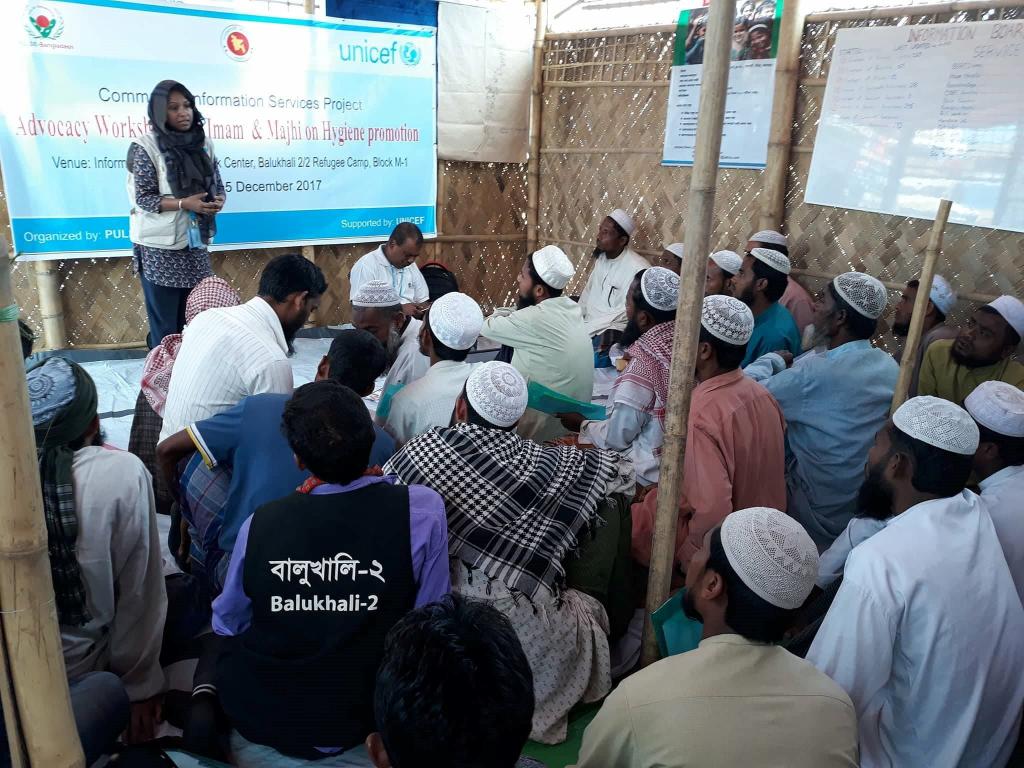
[799,303]
[735,458]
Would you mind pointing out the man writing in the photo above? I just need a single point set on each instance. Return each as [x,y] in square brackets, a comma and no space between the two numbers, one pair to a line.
[394,262]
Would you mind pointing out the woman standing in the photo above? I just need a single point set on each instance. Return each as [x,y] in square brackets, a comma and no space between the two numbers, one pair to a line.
[175,191]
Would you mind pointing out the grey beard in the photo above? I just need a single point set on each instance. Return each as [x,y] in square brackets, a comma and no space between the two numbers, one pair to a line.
[393,345]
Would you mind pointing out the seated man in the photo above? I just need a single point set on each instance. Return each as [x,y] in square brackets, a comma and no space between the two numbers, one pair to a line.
[247,440]
[517,510]
[834,402]
[982,351]
[317,579]
[734,444]
[449,331]
[759,284]
[394,262]
[637,421]
[738,699]
[105,555]
[546,333]
[926,632]
[454,689]
[998,409]
[376,310]
[941,300]
[722,268]
[795,298]
[671,258]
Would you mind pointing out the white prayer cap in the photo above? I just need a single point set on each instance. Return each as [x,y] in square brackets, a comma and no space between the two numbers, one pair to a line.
[376,293]
[769,237]
[774,259]
[676,249]
[939,423]
[455,320]
[553,266]
[998,406]
[863,292]
[727,318]
[497,392]
[942,295]
[727,261]
[1012,311]
[772,554]
[660,288]
[623,219]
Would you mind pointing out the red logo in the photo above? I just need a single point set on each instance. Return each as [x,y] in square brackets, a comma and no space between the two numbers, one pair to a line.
[236,43]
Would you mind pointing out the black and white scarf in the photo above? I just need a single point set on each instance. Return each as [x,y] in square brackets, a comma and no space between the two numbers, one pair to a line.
[515,508]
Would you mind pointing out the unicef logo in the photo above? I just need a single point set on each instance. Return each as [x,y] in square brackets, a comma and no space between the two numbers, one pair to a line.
[410,54]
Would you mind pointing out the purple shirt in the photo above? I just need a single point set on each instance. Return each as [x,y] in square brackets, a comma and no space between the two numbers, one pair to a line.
[428,535]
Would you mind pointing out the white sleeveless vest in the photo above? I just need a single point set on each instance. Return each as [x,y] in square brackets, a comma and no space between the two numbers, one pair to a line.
[167,230]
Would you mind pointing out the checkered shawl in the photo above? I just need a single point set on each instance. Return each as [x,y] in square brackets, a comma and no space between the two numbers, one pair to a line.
[644,383]
[516,508]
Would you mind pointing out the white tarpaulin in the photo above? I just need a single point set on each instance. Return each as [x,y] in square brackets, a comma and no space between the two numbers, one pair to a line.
[485,61]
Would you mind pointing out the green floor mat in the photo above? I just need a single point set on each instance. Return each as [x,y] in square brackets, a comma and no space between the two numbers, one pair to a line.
[566,753]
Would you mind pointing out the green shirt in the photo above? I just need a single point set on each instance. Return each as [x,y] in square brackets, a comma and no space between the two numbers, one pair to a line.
[774,329]
[942,377]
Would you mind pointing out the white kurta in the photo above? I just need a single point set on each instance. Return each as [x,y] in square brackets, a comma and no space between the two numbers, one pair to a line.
[1003,495]
[410,364]
[604,299]
[407,282]
[118,549]
[427,402]
[629,430]
[926,635]
[551,348]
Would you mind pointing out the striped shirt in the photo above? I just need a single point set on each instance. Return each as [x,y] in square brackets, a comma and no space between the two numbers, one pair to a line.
[226,354]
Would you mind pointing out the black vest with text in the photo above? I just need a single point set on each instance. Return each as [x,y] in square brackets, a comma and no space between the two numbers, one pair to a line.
[328,576]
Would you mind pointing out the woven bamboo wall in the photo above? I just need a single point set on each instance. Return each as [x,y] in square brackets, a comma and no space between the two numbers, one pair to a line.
[102,299]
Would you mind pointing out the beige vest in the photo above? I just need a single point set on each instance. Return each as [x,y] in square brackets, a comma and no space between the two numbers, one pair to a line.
[167,230]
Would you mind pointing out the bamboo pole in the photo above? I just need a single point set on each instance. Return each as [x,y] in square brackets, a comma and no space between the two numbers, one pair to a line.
[37,709]
[780,136]
[309,251]
[601,151]
[50,307]
[614,32]
[700,211]
[895,11]
[931,258]
[608,84]
[440,198]
[536,111]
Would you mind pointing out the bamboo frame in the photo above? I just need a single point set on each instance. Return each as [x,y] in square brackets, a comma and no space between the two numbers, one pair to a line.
[931,258]
[37,707]
[780,135]
[613,32]
[440,197]
[600,151]
[896,11]
[536,126]
[607,84]
[50,307]
[700,213]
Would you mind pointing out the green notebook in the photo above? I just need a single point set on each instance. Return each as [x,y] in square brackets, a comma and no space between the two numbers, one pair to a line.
[547,400]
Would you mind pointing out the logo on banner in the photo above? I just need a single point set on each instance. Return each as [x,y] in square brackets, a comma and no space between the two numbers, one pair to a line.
[410,54]
[44,23]
[236,43]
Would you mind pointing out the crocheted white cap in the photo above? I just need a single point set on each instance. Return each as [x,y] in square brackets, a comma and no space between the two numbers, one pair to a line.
[497,391]
[623,219]
[938,422]
[376,293]
[1012,310]
[660,288]
[727,318]
[676,249]
[769,237]
[864,293]
[772,554]
[553,266]
[942,295]
[774,259]
[727,261]
[456,320]
[998,406]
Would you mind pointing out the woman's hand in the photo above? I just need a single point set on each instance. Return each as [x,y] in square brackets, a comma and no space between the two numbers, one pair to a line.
[197,204]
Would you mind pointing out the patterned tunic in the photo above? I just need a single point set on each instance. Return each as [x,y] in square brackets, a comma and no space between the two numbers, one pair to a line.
[183,268]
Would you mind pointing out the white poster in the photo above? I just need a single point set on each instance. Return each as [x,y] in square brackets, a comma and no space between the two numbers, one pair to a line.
[324,130]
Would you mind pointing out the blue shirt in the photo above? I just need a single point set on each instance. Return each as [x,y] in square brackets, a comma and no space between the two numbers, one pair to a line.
[834,403]
[248,439]
[774,329]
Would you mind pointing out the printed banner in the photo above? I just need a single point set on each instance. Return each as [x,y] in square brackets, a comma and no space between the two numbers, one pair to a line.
[324,131]
[748,103]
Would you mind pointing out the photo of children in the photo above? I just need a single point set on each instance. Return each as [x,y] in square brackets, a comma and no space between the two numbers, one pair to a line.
[751,37]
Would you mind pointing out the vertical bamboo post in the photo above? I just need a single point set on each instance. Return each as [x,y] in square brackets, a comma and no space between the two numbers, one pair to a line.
[37,709]
[536,110]
[50,307]
[309,251]
[700,212]
[442,196]
[780,136]
[931,259]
